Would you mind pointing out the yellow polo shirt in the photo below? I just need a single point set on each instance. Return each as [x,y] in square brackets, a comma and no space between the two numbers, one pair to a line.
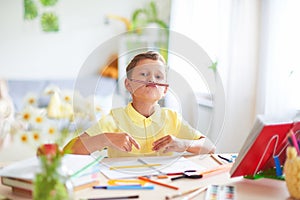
[145,130]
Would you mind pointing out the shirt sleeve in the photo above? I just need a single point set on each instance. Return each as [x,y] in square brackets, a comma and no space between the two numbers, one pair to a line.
[185,130]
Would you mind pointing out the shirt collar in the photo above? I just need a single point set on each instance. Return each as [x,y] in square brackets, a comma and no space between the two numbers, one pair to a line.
[138,118]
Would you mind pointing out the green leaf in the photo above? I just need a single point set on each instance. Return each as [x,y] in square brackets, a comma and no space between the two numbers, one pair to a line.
[152,14]
[142,17]
[49,22]
[214,66]
[30,10]
[136,18]
[48,2]
[160,23]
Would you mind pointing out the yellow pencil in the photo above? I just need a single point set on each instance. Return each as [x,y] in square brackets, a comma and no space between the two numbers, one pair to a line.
[216,159]
[180,194]
[133,166]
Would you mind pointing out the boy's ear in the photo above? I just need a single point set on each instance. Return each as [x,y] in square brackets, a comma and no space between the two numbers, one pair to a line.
[127,85]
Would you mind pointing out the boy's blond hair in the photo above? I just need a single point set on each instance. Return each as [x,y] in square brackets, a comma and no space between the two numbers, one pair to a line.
[142,56]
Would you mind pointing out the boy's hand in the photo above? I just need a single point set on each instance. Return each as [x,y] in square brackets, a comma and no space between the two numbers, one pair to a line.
[170,144]
[121,141]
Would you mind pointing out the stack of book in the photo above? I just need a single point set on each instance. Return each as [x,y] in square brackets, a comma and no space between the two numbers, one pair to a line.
[24,187]
[84,173]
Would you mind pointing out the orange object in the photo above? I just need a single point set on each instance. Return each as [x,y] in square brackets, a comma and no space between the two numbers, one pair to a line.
[162,176]
[217,170]
[158,183]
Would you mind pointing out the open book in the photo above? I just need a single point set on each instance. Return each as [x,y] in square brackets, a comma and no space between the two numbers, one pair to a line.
[267,138]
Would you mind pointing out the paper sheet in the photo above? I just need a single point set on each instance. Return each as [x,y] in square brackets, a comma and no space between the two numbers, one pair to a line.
[168,165]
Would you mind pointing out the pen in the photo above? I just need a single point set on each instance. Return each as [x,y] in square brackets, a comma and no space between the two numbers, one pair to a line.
[158,183]
[124,187]
[120,197]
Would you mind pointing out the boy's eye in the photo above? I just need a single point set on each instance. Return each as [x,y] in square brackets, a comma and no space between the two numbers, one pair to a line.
[143,74]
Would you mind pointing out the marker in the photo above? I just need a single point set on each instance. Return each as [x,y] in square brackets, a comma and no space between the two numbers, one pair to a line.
[124,187]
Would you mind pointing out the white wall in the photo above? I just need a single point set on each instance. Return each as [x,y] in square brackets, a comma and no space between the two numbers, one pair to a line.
[28,53]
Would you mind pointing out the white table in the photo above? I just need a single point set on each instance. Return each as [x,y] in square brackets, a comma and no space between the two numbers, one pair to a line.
[263,189]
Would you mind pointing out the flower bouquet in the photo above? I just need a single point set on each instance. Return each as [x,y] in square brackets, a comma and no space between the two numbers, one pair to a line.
[48,129]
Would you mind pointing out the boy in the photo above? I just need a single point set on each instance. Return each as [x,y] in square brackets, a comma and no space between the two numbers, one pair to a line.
[142,128]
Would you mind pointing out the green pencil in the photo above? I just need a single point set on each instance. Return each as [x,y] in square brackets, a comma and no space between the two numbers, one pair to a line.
[87,166]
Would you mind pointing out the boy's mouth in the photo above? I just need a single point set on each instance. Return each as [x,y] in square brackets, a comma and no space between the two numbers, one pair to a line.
[151,85]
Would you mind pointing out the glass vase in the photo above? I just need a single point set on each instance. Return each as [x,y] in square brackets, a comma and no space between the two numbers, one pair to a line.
[52,182]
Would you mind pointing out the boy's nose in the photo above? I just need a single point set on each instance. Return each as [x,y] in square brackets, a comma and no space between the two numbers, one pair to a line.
[151,78]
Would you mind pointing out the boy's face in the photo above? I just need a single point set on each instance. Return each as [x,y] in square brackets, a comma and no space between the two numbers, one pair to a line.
[148,71]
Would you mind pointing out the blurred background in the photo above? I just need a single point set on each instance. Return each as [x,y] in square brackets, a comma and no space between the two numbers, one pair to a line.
[250,46]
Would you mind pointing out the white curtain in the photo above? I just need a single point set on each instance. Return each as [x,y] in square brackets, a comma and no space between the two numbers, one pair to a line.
[254,43]
[279,83]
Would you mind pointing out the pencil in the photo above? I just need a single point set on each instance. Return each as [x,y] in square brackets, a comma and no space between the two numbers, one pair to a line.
[158,183]
[133,166]
[87,166]
[218,169]
[216,159]
[124,187]
[193,194]
[180,194]
[149,83]
[294,140]
[120,197]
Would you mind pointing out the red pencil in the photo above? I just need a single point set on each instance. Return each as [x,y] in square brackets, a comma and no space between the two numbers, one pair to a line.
[158,183]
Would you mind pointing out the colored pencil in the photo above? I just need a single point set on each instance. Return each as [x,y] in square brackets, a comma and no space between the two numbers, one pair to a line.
[133,166]
[158,183]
